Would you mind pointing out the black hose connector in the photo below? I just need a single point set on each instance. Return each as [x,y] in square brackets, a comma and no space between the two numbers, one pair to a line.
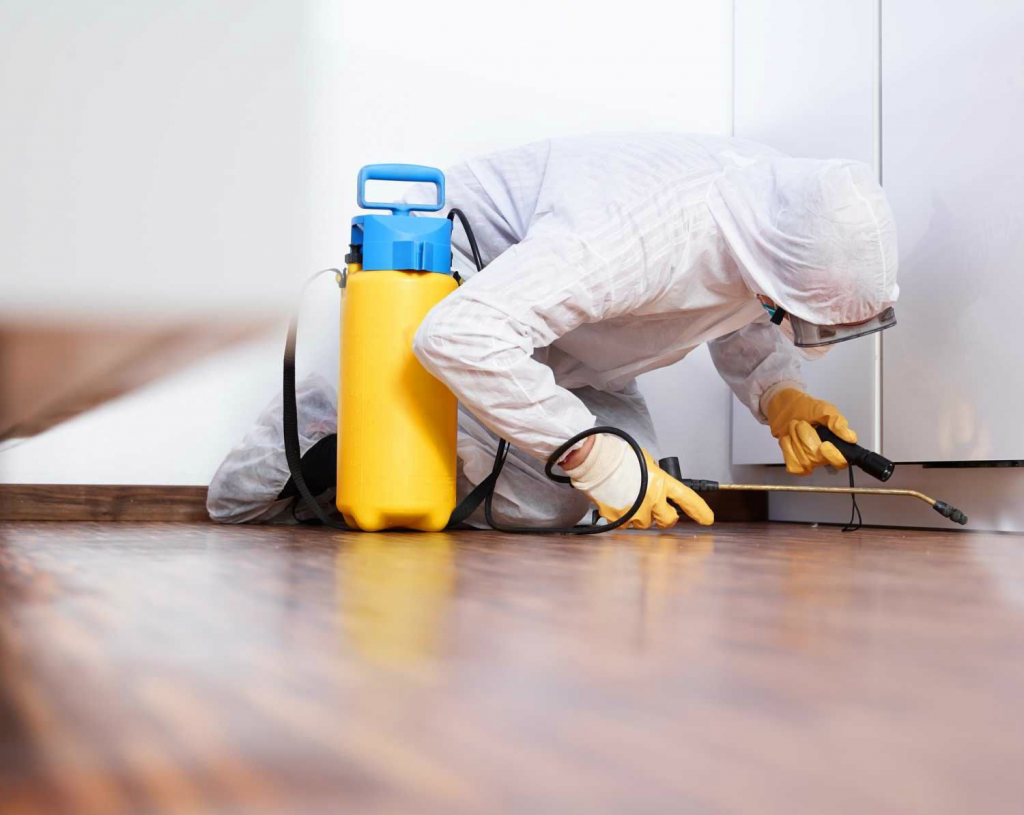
[670,465]
[699,484]
[872,463]
[951,512]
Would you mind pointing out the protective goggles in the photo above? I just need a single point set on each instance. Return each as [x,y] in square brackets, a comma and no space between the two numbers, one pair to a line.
[809,335]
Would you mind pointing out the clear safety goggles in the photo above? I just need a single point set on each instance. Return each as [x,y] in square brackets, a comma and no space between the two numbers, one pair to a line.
[809,335]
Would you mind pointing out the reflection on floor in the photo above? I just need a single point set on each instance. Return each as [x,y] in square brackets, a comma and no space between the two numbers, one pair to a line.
[747,669]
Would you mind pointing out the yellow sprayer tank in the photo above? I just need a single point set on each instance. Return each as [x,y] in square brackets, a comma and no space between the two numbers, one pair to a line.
[396,422]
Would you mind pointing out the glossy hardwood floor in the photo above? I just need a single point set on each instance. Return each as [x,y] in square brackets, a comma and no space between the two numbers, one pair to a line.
[748,669]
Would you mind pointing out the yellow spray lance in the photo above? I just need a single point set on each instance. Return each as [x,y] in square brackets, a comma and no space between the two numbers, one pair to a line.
[870,462]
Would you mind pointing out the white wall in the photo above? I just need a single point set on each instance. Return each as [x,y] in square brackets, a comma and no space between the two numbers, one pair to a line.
[413,82]
[143,145]
[690,407]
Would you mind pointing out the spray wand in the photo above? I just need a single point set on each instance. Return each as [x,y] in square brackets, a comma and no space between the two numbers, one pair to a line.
[872,463]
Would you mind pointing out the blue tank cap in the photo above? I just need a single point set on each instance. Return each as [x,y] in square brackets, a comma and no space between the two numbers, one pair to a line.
[402,241]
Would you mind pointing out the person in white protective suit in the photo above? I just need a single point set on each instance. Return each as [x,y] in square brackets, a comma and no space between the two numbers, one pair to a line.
[610,256]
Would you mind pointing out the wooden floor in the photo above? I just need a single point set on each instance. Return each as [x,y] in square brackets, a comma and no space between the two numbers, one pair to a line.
[749,669]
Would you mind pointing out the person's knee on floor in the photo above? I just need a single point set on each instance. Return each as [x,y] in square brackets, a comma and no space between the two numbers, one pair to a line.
[248,485]
[556,507]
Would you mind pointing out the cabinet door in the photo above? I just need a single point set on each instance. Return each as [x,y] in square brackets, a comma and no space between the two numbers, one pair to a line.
[805,83]
[953,165]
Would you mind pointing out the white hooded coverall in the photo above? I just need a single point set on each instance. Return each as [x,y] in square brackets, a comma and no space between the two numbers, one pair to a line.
[609,256]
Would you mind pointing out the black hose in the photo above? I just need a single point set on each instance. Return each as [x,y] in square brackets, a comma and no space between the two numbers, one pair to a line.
[552,462]
[290,419]
[463,510]
[855,511]
[452,214]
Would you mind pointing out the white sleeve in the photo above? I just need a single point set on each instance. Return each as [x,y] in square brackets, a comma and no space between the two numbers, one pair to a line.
[754,359]
[480,339]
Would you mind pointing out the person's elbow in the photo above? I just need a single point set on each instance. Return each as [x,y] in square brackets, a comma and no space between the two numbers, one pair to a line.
[458,336]
[429,343]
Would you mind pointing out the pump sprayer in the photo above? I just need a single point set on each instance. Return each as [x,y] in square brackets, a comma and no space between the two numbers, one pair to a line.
[397,424]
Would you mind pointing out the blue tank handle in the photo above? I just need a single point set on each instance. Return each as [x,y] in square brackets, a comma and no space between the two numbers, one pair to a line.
[401,172]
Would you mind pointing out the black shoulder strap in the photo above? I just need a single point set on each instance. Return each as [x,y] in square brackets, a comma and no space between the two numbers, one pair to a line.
[292,451]
[475,498]
[319,468]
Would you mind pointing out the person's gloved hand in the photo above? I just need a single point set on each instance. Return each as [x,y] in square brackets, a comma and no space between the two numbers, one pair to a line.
[792,416]
[610,475]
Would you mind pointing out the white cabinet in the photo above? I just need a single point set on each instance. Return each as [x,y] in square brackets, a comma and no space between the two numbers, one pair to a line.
[953,166]
[805,83]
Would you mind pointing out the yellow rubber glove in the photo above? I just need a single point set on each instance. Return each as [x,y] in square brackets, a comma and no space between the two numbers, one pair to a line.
[792,416]
[610,476]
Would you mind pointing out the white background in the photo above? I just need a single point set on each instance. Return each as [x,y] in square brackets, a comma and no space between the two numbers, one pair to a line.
[425,83]
[143,147]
